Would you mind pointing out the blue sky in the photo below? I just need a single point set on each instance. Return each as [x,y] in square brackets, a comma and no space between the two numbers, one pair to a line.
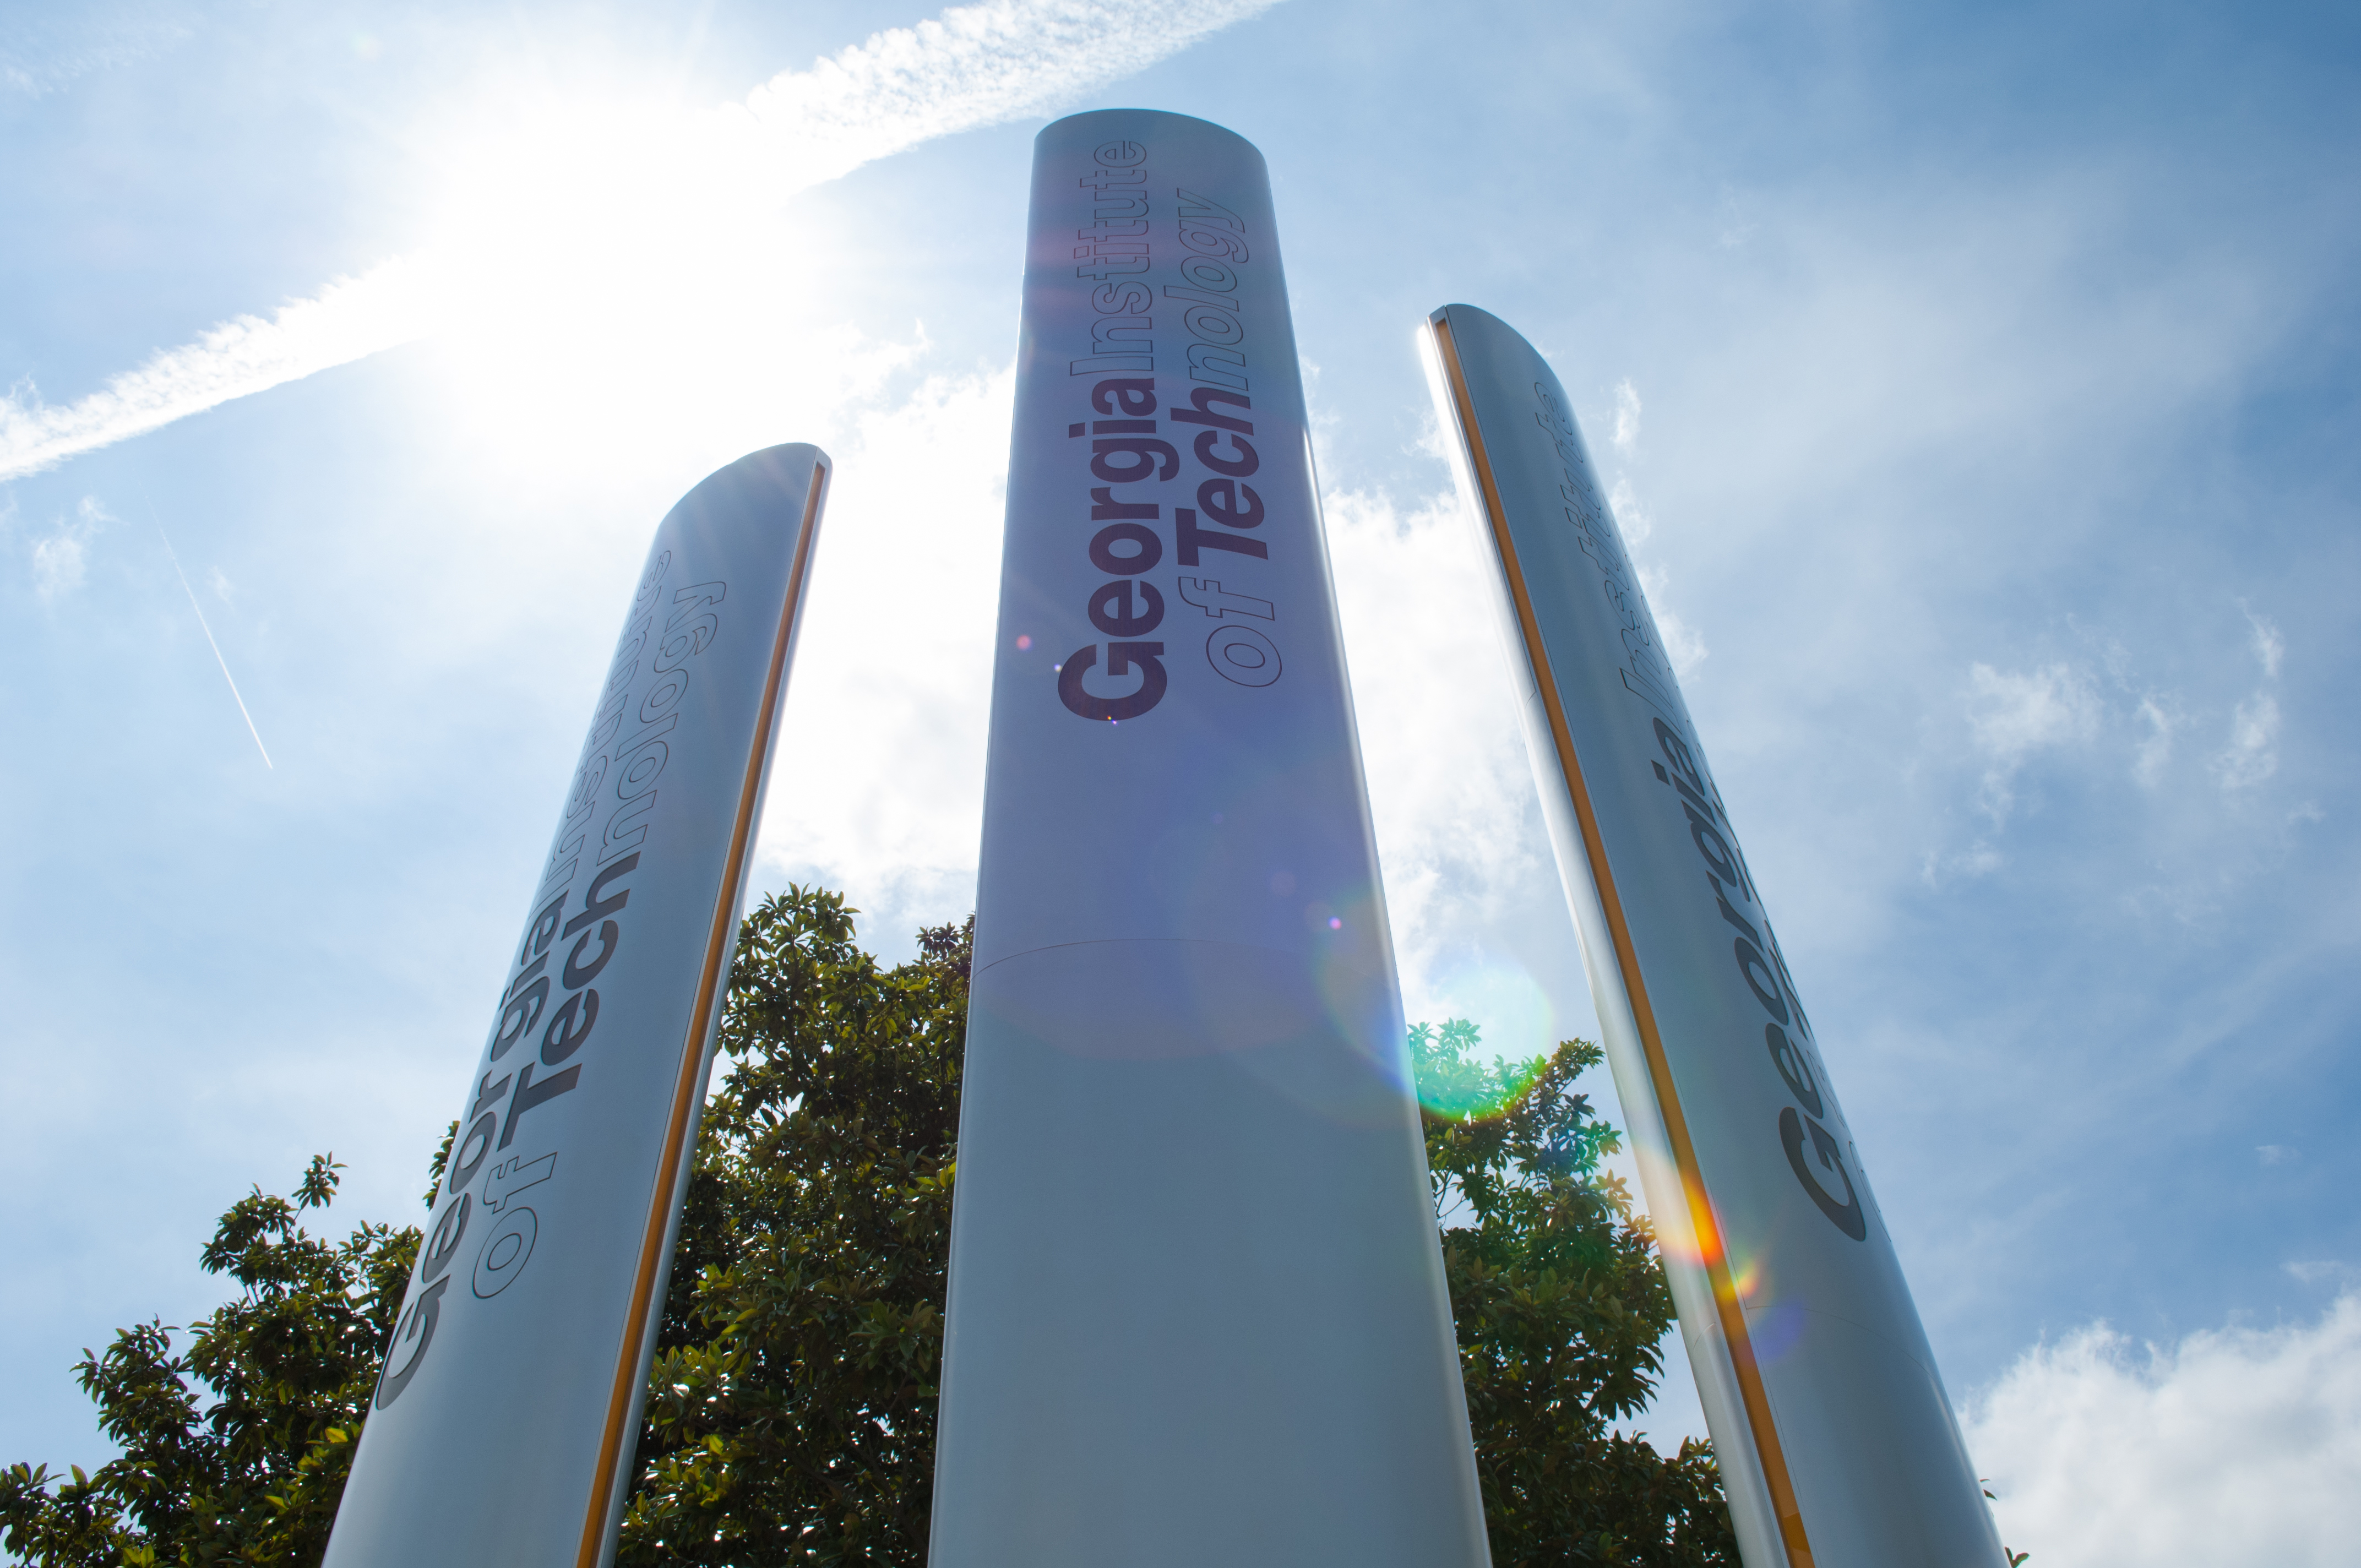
[1977,385]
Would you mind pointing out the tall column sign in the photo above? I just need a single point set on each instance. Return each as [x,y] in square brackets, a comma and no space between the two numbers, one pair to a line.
[502,1431]
[1196,1309]
[1838,1447]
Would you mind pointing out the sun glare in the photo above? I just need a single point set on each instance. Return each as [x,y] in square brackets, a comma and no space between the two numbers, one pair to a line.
[615,273]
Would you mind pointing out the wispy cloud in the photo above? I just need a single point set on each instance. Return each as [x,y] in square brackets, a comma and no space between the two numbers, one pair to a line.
[1684,644]
[1626,416]
[972,66]
[61,559]
[1454,783]
[2012,716]
[2253,754]
[42,52]
[347,320]
[895,826]
[1631,515]
[2235,1445]
[2155,748]
[2269,646]
[2190,751]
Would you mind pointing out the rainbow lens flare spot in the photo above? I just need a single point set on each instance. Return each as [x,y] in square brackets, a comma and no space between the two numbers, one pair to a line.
[1455,1083]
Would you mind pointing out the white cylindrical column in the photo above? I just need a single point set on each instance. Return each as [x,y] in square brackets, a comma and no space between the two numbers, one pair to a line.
[503,1429]
[1836,1443]
[1197,1311]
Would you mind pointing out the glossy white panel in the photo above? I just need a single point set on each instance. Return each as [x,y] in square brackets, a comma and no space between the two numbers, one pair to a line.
[1839,1444]
[505,1422]
[1197,1311]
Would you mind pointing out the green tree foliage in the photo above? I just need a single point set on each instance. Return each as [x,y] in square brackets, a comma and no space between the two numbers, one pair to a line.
[235,1449]
[1560,1304]
[791,1415]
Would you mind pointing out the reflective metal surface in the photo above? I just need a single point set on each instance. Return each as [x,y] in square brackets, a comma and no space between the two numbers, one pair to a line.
[502,1429]
[1836,1443]
[1197,1311]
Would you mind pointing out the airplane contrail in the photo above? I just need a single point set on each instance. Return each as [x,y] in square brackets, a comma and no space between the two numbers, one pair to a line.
[348,320]
[208,630]
[972,66]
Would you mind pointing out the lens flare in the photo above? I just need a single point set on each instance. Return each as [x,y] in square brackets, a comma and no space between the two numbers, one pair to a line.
[1457,1077]
[1776,1330]
[1689,1236]
[1455,1083]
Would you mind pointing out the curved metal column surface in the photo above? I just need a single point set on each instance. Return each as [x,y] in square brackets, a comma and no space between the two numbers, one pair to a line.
[1837,1445]
[1197,1311]
[503,1428]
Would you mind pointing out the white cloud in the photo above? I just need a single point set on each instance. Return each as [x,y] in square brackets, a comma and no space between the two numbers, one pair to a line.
[2253,754]
[2155,748]
[1737,228]
[975,65]
[2093,713]
[1626,416]
[40,53]
[2236,1446]
[1451,789]
[349,319]
[2269,646]
[878,790]
[1978,858]
[2012,716]
[1431,441]
[57,565]
[1684,644]
[2274,1153]
[1631,518]
[60,560]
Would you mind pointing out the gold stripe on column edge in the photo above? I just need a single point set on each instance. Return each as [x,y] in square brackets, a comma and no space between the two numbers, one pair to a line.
[1702,1219]
[685,1096]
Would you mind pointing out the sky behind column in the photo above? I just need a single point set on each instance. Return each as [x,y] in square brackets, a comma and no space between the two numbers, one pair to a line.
[1976,386]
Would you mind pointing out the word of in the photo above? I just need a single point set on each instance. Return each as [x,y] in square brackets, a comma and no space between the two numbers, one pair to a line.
[562,1006]
[1127,451]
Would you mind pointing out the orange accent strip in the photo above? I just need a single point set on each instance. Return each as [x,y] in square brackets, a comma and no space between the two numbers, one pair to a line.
[685,1096]
[1701,1215]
